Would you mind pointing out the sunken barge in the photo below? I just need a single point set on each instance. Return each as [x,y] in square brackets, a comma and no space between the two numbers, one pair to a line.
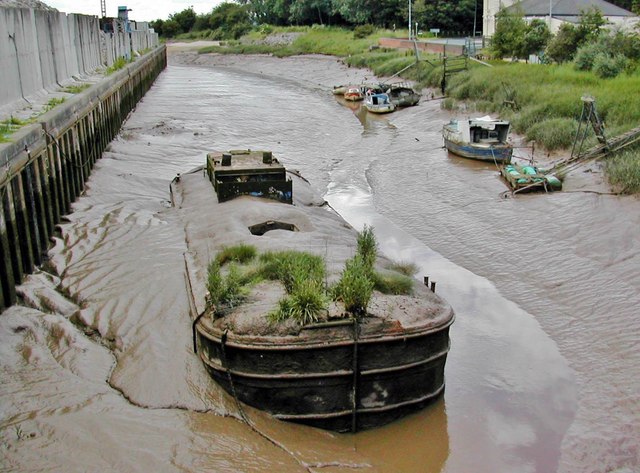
[341,373]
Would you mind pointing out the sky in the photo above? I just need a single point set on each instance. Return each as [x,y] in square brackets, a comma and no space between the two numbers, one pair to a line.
[141,10]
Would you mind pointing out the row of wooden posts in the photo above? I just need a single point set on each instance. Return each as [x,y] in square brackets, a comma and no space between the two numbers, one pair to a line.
[45,167]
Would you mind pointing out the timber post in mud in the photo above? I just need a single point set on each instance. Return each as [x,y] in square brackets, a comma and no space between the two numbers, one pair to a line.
[46,165]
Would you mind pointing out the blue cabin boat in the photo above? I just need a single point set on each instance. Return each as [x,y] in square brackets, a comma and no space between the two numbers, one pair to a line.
[484,139]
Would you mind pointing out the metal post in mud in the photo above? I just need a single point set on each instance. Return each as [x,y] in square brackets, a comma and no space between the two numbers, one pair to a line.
[433,286]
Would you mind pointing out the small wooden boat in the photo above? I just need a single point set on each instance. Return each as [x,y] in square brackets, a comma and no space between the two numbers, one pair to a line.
[353,94]
[402,95]
[340,373]
[529,178]
[484,139]
[378,103]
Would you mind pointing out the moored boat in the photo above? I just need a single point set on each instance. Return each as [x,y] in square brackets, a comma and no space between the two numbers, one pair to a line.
[341,372]
[353,94]
[529,178]
[403,95]
[483,138]
[378,103]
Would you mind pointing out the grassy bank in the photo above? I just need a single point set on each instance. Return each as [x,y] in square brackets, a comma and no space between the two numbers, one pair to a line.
[547,97]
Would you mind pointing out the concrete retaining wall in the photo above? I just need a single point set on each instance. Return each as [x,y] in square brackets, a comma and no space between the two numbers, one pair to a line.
[431,47]
[45,166]
[41,50]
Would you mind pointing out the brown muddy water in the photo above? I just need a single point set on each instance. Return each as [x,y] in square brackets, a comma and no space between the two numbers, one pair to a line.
[98,374]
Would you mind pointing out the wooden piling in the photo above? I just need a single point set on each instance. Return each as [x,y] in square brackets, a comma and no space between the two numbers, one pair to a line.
[7,281]
[37,190]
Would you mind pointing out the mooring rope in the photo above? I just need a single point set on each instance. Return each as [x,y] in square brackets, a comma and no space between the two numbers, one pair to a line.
[64,155]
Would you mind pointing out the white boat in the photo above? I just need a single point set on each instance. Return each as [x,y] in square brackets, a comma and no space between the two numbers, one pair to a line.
[353,94]
[379,103]
[481,138]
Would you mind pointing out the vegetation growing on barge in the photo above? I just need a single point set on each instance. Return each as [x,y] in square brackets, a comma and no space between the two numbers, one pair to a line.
[235,269]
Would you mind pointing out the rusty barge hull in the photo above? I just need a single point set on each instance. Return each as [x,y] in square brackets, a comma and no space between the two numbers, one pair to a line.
[344,384]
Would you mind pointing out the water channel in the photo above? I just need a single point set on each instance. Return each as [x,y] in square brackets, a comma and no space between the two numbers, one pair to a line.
[543,370]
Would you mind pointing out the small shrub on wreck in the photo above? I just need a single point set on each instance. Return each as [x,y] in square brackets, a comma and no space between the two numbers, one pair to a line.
[393,283]
[292,266]
[403,267]
[302,275]
[355,286]
[368,246]
[305,304]
[225,291]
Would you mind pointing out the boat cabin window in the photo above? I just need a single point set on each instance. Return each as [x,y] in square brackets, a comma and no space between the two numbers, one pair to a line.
[479,135]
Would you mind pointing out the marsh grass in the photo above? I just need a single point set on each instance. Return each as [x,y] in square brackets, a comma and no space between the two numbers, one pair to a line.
[549,113]
[623,171]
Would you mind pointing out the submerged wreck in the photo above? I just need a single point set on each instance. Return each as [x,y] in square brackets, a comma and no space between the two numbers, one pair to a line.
[338,371]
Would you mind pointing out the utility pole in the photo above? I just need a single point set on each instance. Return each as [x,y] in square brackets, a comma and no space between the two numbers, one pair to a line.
[103,7]
[410,26]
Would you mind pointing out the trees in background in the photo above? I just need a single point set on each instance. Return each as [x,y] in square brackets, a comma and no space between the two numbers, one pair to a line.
[589,45]
[446,15]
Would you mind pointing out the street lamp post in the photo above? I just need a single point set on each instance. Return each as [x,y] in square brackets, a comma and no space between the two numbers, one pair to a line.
[409,19]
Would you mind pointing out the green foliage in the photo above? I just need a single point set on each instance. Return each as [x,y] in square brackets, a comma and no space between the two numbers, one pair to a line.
[117,65]
[555,133]
[586,55]
[606,66]
[623,171]
[304,304]
[225,291]
[229,20]
[536,38]
[8,126]
[508,39]
[393,283]
[76,89]
[563,46]
[355,286]
[241,253]
[618,100]
[184,19]
[591,24]
[403,267]
[52,103]
[362,31]
[367,246]
[291,267]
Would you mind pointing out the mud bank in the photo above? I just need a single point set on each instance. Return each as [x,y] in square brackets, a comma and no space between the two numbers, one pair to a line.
[543,371]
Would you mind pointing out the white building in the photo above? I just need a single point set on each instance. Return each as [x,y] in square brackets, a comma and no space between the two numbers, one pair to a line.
[555,12]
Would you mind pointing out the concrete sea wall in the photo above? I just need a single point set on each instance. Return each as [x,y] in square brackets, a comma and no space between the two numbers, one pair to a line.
[42,50]
[45,166]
